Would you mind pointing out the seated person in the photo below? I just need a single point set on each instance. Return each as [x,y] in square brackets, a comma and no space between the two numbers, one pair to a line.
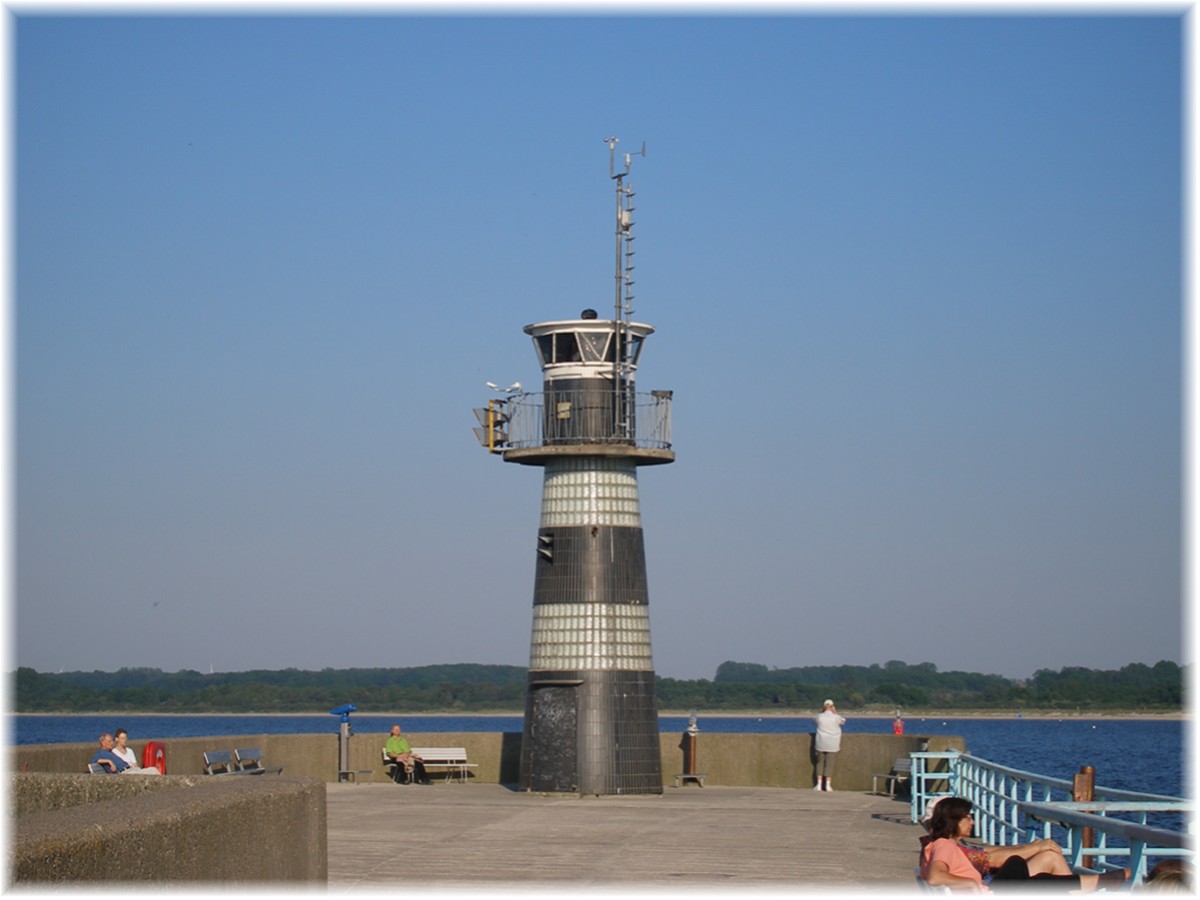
[408,764]
[945,861]
[114,764]
[121,747]
[1043,856]
[1169,876]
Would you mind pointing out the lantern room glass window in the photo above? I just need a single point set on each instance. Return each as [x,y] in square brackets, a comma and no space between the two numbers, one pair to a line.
[593,345]
[586,347]
[557,348]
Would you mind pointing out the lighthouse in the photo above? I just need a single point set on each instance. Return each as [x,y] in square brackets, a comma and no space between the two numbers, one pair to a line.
[591,720]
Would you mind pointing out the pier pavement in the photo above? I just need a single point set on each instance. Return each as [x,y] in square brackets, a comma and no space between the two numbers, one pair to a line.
[483,837]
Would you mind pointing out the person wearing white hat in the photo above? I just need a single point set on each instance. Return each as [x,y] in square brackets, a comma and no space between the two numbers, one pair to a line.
[828,743]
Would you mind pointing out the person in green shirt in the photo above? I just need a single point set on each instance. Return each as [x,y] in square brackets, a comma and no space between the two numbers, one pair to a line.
[409,766]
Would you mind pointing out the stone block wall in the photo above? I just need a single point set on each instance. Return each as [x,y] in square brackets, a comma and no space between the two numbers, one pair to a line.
[167,829]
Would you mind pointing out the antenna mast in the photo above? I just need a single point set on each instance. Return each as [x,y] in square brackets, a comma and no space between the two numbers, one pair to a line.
[623,303]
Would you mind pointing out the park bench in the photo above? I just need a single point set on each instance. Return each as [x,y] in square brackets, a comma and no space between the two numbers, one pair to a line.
[901,773]
[219,762]
[451,760]
[248,761]
[95,768]
[243,761]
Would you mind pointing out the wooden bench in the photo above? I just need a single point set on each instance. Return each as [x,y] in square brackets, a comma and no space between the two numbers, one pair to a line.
[901,772]
[249,762]
[451,760]
[98,769]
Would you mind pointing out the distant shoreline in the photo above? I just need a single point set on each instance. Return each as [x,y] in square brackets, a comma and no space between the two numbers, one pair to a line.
[914,716]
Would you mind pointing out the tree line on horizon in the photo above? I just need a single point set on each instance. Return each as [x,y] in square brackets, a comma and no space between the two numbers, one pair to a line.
[474,687]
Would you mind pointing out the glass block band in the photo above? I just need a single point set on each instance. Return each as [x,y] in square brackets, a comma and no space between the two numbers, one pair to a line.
[590,491]
[590,636]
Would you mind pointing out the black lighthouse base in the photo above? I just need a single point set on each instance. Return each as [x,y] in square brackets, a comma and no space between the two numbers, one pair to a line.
[591,732]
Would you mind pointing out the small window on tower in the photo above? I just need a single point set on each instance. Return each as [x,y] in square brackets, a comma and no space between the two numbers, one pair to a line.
[545,348]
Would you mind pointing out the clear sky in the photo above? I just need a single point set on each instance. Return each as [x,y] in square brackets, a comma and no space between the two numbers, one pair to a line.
[916,282]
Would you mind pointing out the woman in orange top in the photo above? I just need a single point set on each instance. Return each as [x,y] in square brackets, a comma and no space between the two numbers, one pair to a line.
[945,861]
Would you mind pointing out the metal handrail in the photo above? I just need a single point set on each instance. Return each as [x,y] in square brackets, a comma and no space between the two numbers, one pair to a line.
[528,423]
[1144,842]
[1013,806]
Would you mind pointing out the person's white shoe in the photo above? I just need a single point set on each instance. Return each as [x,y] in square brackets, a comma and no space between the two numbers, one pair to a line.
[817,786]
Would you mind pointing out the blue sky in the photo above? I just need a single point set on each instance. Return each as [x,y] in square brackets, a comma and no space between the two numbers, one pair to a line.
[916,282]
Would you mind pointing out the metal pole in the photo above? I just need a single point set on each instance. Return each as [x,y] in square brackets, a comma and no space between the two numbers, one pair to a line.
[689,744]
[343,748]
[617,323]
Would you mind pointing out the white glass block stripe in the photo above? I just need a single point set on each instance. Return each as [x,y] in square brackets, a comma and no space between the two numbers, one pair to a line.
[591,636]
[590,492]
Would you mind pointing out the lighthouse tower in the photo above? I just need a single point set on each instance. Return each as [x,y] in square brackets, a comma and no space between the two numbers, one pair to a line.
[591,722]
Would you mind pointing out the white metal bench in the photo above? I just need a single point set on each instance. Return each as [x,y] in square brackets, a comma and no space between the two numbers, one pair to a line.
[451,760]
[901,772]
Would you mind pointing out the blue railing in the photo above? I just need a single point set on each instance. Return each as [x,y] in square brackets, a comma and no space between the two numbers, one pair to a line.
[1012,806]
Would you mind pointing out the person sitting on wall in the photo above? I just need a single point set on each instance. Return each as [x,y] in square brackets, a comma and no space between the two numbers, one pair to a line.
[409,766]
[115,764]
[945,861]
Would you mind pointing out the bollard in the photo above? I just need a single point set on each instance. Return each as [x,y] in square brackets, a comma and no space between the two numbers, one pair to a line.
[1084,792]
[689,753]
[688,746]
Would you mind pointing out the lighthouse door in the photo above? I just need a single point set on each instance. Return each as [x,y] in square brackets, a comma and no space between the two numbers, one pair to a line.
[554,765]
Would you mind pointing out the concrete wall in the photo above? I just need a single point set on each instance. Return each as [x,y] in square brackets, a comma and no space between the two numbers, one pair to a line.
[789,760]
[192,829]
[765,760]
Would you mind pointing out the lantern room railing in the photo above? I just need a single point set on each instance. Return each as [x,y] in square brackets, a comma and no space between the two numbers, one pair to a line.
[564,418]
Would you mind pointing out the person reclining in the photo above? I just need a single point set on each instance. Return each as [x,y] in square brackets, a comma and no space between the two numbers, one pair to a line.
[946,861]
[1043,856]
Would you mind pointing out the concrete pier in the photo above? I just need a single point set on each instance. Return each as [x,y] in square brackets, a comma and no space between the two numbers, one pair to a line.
[755,823]
[488,837]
